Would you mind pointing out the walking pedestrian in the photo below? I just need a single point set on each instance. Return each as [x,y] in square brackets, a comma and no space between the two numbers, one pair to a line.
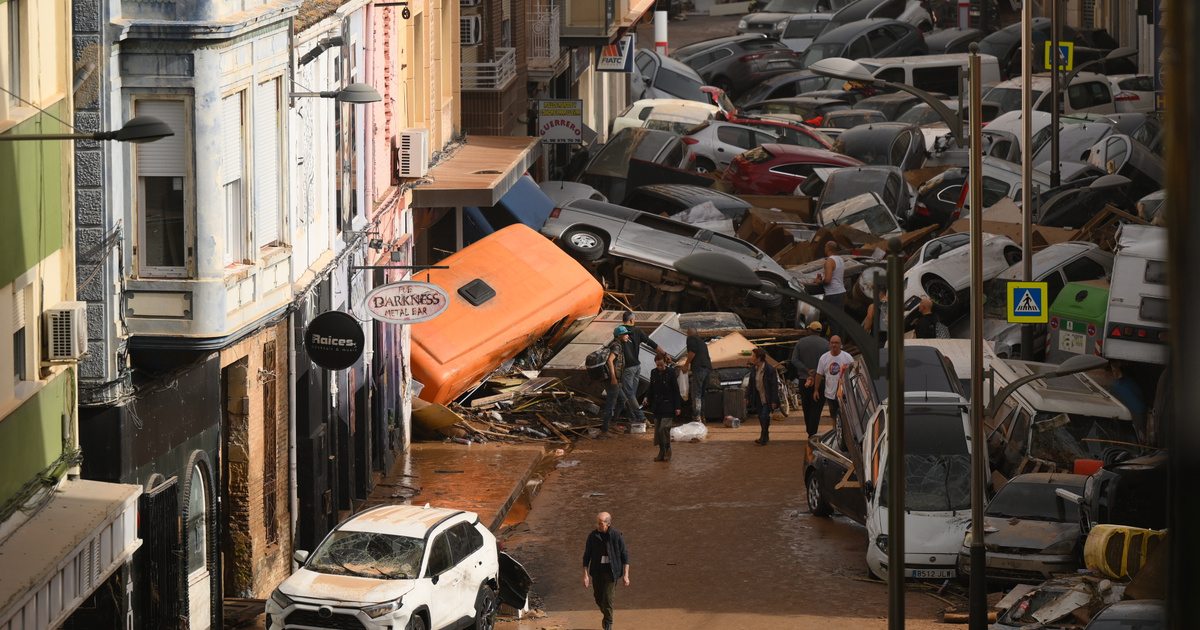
[829,372]
[869,320]
[605,560]
[832,277]
[630,376]
[698,367]
[806,354]
[762,395]
[665,402]
[616,390]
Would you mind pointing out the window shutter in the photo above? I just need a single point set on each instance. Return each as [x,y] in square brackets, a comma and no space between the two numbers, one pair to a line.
[166,157]
[18,309]
[266,163]
[231,138]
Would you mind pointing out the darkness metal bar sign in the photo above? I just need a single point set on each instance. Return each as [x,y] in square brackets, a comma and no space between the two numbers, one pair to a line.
[407,302]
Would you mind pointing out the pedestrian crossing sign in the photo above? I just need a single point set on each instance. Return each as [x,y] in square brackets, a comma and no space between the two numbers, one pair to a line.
[1027,302]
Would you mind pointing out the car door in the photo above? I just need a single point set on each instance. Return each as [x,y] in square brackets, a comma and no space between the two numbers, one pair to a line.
[470,560]
[860,48]
[655,240]
[445,589]
[645,66]
[733,140]
[837,478]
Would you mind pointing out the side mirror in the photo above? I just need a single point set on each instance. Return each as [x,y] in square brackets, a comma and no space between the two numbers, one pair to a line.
[300,556]
[434,579]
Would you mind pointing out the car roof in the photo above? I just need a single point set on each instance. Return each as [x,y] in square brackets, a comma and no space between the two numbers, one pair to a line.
[672,64]
[1055,478]
[923,373]
[1041,81]
[413,521]
[847,32]
[941,59]
[781,150]
[1049,258]
[688,193]
[1074,393]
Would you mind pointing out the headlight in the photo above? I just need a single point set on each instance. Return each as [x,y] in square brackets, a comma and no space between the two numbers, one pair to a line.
[1060,548]
[781,24]
[379,610]
[279,598]
[881,542]
[742,23]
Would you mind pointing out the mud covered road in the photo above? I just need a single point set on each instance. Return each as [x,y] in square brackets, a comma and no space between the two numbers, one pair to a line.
[720,538]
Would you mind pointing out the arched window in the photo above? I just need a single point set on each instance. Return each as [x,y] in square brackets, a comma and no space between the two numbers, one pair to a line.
[197,523]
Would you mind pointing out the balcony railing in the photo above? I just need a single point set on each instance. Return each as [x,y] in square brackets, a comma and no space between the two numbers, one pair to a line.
[492,75]
[589,18]
[543,35]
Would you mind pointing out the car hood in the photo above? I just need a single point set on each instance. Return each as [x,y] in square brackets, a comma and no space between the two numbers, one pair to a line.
[1015,533]
[306,584]
[929,532]
[766,18]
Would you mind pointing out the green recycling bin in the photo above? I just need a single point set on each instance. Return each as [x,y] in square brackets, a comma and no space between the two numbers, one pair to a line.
[1077,320]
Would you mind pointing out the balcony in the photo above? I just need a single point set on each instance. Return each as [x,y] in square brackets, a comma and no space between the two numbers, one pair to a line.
[493,75]
[589,18]
[546,58]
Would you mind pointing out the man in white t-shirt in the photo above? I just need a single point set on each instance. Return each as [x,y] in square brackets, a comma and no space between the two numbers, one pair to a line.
[829,373]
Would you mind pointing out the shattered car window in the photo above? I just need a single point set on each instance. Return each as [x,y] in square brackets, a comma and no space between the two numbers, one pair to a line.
[1035,502]
[1067,437]
[934,483]
[365,554]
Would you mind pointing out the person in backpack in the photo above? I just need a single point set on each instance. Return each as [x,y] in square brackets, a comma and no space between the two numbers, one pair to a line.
[665,402]
[615,389]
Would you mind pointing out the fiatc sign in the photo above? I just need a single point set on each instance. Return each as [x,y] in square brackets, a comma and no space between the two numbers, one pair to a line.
[407,302]
[334,340]
[560,122]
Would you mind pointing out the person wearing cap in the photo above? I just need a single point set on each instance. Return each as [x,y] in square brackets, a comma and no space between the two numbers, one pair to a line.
[806,354]
[631,375]
[615,389]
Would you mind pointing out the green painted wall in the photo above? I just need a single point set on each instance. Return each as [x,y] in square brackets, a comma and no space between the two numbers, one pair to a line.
[31,437]
[34,200]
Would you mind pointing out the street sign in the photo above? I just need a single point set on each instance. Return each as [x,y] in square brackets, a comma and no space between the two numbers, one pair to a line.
[407,302]
[1027,302]
[616,57]
[334,340]
[560,121]
[1066,52]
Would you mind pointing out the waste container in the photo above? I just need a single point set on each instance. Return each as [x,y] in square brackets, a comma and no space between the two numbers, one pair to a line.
[1077,320]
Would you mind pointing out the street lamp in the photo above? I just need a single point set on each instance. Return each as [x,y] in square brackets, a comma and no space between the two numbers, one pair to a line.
[850,70]
[139,129]
[355,94]
[1118,53]
[1074,365]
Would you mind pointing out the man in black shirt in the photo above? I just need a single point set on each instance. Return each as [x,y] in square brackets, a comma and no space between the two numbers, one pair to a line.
[630,376]
[927,320]
[698,367]
[605,560]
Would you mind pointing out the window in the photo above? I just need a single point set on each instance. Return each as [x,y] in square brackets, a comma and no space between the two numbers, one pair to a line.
[857,49]
[440,559]
[737,136]
[1153,309]
[464,540]
[891,75]
[266,164]
[1156,272]
[881,39]
[798,169]
[937,79]
[197,524]
[22,364]
[10,55]
[162,193]
[993,191]
[1084,269]
[233,176]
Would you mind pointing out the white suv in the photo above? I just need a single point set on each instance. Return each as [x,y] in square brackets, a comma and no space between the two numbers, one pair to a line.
[396,566]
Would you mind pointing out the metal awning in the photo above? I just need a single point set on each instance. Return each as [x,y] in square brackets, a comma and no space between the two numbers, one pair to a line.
[478,173]
[61,554]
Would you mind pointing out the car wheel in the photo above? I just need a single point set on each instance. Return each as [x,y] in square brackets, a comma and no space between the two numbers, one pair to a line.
[939,291]
[816,501]
[764,299]
[583,244]
[705,165]
[1012,256]
[485,609]
[416,622]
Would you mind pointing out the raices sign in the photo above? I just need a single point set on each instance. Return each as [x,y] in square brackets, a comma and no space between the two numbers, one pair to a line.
[407,302]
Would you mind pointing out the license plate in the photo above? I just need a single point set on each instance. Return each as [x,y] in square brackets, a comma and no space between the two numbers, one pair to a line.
[929,573]
[778,64]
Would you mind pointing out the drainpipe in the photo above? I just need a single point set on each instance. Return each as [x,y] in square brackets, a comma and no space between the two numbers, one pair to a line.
[293,496]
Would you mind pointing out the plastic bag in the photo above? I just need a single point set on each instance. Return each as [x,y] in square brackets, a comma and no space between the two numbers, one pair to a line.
[688,432]
[683,378]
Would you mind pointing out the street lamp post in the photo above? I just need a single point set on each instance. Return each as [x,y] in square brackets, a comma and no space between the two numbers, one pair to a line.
[138,130]
[1057,86]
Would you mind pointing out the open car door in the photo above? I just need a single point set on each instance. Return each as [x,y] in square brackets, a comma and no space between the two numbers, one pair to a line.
[514,582]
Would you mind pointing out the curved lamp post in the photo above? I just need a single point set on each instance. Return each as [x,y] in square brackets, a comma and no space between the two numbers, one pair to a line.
[139,129]
[1118,53]
[850,70]
[355,94]
[1074,365]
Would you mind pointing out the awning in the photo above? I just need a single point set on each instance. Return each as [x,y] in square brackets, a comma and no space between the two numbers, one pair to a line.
[637,8]
[479,172]
[58,557]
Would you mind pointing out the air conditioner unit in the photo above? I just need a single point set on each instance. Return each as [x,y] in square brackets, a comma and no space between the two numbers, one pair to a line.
[412,156]
[66,331]
[469,3]
[470,30]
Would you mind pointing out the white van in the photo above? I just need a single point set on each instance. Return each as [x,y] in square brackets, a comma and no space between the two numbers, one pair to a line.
[932,73]
[1137,300]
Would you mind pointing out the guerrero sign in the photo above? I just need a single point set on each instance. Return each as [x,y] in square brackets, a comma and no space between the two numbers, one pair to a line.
[407,302]
[560,122]
[334,340]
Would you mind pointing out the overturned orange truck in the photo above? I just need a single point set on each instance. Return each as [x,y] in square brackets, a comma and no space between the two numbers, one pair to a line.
[506,291]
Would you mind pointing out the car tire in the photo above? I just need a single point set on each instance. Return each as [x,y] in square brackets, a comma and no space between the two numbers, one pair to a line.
[584,244]
[816,501]
[416,622]
[1012,256]
[763,299]
[705,165]
[485,609]
[939,291]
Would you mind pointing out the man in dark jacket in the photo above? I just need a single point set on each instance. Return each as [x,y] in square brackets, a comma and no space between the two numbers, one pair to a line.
[605,560]
[762,396]
[666,403]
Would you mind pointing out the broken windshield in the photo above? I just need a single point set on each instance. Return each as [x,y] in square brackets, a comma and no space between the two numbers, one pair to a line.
[366,554]
[934,483]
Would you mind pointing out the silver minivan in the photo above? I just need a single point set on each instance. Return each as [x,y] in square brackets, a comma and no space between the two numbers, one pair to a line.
[932,73]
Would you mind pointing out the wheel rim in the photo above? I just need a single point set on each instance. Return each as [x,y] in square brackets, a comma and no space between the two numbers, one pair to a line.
[814,494]
[583,240]
[939,292]
[487,613]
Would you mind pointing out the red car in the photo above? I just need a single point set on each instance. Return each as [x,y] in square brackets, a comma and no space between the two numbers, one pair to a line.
[776,169]
[790,129]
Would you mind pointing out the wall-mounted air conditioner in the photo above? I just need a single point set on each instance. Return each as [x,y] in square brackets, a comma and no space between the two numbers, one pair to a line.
[66,331]
[412,156]
[469,3]
[470,29]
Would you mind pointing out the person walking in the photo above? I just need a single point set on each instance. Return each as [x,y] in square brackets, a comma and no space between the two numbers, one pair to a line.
[665,402]
[698,367]
[829,373]
[616,390]
[762,395]
[631,374]
[605,560]
[806,354]
[832,277]
[869,320]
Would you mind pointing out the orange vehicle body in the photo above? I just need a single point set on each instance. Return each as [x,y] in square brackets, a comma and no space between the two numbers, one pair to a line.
[538,287]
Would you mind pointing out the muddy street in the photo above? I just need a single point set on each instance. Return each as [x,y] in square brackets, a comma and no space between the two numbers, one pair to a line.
[720,537]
